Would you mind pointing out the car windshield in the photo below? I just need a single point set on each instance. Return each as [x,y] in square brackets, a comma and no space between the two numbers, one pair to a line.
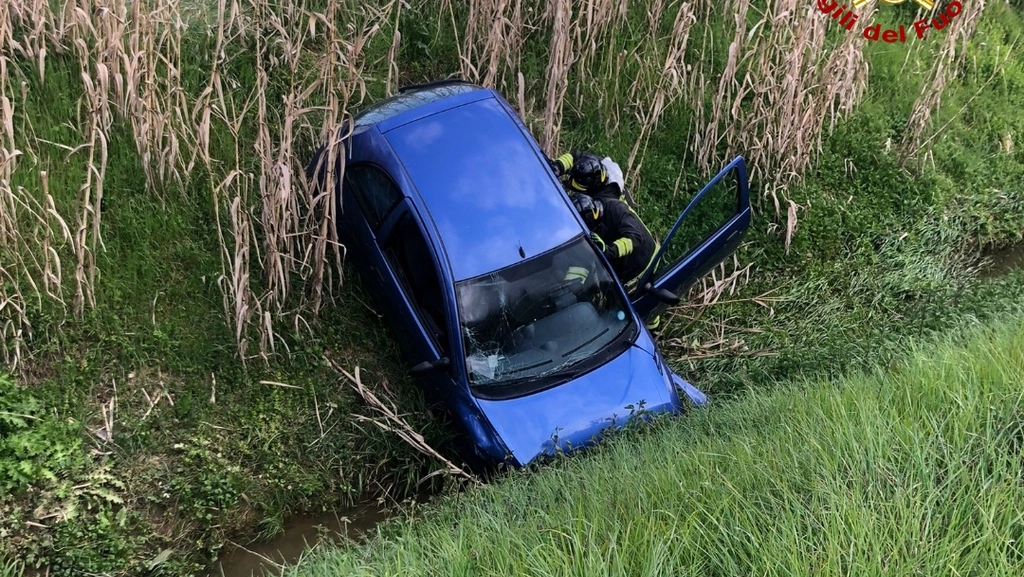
[539,317]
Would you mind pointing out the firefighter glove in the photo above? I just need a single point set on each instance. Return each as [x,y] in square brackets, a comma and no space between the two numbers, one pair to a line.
[556,166]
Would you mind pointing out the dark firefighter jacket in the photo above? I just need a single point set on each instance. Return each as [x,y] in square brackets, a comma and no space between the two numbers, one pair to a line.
[629,246]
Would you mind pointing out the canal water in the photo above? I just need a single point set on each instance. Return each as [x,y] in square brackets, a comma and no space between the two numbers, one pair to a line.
[1002,261]
[267,558]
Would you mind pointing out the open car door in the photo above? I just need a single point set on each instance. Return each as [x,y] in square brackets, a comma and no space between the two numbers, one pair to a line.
[706,233]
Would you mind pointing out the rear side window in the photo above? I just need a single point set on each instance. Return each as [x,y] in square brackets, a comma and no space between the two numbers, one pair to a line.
[374,191]
[407,248]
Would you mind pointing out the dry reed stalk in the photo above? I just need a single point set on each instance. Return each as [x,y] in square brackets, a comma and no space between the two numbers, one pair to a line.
[846,74]
[396,38]
[559,62]
[655,9]
[788,112]
[778,75]
[339,92]
[33,231]
[97,123]
[701,299]
[230,190]
[154,100]
[491,44]
[97,34]
[669,85]
[593,29]
[45,220]
[9,154]
[698,85]
[24,225]
[945,67]
[497,40]
[718,344]
[615,65]
[30,18]
[296,220]
[276,199]
[729,90]
[29,252]
[202,109]
[14,323]
[394,423]
[718,282]
[322,253]
[469,41]
[130,57]
[240,305]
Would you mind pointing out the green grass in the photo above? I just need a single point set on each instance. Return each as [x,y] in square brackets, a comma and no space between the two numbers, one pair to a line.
[915,470]
[10,568]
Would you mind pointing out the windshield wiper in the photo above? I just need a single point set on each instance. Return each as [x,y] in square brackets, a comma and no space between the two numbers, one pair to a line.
[528,367]
[595,337]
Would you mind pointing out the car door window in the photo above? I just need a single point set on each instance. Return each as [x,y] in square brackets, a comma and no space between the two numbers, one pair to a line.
[408,251]
[712,211]
[710,228]
[374,191]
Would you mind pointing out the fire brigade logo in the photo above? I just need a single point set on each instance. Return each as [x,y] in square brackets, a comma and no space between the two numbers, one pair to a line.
[847,17]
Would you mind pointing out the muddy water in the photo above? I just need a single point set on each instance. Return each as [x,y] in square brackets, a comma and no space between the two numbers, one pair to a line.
[999,262]
[260,559]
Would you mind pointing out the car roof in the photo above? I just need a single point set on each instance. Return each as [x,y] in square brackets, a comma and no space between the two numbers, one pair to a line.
[416,99]
[482,181]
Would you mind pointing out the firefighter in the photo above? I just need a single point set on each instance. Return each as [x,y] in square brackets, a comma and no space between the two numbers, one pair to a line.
[601,199]
[622,236]
[588,173]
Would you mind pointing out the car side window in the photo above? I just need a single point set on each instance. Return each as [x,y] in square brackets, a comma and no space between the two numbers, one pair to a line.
[407,249]
[719,205]
[374,191]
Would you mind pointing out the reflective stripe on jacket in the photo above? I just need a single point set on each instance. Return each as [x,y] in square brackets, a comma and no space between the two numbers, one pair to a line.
[630,246]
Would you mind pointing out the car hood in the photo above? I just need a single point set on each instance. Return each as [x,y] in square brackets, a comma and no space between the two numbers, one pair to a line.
[571,414]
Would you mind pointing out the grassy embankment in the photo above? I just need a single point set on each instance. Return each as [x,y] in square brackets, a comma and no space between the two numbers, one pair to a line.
[134,430]
[913,469]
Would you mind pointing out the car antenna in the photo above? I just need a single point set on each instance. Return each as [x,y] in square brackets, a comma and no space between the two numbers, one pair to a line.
[522,253]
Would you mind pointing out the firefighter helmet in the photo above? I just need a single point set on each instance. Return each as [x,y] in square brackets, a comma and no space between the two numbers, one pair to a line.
[587,172]
[590,209]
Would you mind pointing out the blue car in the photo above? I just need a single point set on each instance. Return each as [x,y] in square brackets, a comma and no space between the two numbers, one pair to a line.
[463,233]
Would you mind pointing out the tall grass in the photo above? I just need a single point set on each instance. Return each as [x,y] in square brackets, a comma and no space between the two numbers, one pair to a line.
[910,471]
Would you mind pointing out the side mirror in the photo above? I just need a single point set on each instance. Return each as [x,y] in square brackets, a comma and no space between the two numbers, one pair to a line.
[430,366]
[662,295]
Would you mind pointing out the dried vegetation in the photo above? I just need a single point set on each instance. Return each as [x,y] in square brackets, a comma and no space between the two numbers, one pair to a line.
[275,231]
[947,63]
[770,91]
